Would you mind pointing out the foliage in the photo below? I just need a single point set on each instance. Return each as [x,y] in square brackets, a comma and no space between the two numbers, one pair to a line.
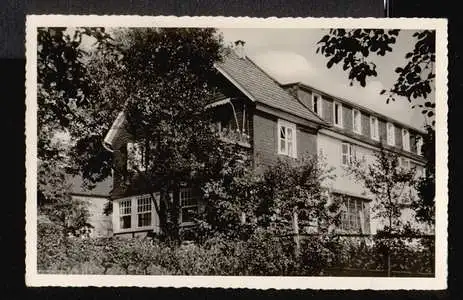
[63,83]
[268,199]
[424,205]
[355,47]
[368,255]
[262,254]
[388,183]
[296,186]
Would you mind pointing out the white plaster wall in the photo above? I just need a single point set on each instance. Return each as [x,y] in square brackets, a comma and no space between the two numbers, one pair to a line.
[330,147]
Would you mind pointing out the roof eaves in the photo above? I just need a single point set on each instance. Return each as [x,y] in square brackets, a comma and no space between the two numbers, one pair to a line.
[232,80]
[361,107]
[320,120]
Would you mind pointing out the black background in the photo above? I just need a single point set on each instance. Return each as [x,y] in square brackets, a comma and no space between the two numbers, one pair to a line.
[12,95]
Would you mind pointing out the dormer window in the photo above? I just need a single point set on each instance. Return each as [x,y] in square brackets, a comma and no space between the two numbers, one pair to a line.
[374,128]
[317,104]
[337,114]
[390,128]
[419,145]
[357,121]
[405,139]
[287,138]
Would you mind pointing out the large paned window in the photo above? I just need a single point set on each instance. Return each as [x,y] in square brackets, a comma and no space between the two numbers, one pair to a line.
[189,205]
[133,213]
[144,211]
[354,215]
[287,138]
[125,214]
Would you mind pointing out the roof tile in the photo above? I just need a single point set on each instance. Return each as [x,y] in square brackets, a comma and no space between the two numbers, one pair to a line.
[262,87]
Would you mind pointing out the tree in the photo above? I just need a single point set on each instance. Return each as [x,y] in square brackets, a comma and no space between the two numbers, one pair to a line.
[390,186]
[168,80]
[63,88]
[356,48]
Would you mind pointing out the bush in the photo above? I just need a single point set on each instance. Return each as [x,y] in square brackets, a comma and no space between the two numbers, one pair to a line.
[262,254]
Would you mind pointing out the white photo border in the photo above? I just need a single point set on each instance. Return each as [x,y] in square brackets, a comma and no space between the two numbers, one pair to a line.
[439,282]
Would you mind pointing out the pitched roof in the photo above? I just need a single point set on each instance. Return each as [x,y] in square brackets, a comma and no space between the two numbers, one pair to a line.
[101,189]
[260,87]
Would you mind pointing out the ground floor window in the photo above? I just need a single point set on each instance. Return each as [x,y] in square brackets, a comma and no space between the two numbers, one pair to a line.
[133,213]
[125,212]
[354,215]
[189,205]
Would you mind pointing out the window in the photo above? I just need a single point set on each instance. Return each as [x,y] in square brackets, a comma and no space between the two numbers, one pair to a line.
[390,128]
[189,205]
[374,128]
[135,157]
[354,215]
[404,163]
[347,154]
[317,104]
[356,121]
[144,211]
[405,139]
[287,138]
[134,213]
[419,145]
[125,214]
[337,114]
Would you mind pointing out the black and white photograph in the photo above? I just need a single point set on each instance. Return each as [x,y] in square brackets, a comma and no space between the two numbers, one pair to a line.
[236,152]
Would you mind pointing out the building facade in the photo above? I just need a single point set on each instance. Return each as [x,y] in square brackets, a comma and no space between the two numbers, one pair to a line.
[269,121]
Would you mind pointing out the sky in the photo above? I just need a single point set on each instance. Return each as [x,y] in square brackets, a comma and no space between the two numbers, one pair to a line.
[289,55]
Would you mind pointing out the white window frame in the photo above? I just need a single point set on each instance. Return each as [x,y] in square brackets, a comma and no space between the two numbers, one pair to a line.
[134,213]
[404,163]
[135,156]
[374,128]
[390,134]
[340,121]
[319,111]
[287,125]
[405,139]
[346,215]
[187,206]
[350,155]
[419,145]
[354,123]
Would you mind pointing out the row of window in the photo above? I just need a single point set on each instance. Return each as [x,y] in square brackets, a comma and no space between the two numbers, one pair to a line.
[317,104]
[349,154]
[137,212]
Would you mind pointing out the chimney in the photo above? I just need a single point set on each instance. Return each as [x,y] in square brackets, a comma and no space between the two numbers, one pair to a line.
[239,49]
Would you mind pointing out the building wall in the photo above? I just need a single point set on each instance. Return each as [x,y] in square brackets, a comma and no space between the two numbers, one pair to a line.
[330,147]
[265,140]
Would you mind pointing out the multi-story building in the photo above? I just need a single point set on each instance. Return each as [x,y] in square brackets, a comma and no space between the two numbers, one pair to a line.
[270,120]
